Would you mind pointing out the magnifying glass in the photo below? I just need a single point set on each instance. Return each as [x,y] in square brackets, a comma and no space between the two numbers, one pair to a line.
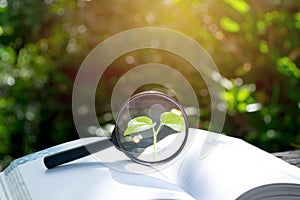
[151,128]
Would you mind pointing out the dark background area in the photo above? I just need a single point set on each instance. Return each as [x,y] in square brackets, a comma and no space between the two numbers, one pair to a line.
[255,44]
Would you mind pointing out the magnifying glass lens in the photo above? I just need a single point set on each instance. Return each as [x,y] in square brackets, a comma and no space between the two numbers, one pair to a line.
[151,128]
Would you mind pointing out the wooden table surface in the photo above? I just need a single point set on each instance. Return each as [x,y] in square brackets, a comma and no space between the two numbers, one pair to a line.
[292,157]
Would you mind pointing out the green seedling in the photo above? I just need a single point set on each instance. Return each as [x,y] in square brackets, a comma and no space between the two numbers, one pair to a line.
[142,123]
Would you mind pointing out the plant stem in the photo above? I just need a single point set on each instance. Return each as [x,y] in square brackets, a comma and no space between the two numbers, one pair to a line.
[155,133]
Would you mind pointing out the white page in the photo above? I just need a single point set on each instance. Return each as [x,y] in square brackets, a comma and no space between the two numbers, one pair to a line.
[3,188]
[232,168]
[88,179]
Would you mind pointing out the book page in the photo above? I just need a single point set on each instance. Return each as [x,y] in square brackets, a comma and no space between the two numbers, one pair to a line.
[232,168]
[88,179]
[3,188]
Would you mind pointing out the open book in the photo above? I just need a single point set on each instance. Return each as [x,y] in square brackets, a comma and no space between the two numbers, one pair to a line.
[233,169]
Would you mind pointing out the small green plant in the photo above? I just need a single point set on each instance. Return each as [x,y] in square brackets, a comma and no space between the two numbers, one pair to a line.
[142,123]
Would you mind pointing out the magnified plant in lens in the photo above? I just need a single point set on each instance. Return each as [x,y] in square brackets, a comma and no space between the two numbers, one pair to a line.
[142,123]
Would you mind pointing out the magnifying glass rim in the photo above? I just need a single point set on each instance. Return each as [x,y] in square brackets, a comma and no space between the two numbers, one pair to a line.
[146,93]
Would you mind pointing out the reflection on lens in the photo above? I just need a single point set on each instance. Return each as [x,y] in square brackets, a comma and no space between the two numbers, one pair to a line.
[151,128]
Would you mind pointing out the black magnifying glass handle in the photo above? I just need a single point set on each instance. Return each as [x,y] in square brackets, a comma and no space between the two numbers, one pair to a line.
[72,154]
[69,155]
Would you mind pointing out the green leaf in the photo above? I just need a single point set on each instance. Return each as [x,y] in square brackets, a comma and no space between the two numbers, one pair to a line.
[288,67]
[138,124]
[239,5]
[173,121]
[263,47]
[243,94]
[7,55]
[230,25]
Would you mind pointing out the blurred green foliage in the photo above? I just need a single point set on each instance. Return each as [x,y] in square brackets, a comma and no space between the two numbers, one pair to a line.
[33,111]
[256,46]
